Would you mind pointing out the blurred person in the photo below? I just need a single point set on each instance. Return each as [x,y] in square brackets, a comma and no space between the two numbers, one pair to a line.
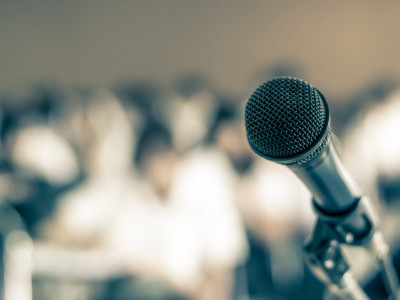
[203,194]
[198,193]
[141,102]
[370,149]
[156,158]
[204,188]
[228,134]
[38,162]
[98,126]
[36,165]
[189,112]
[371,142]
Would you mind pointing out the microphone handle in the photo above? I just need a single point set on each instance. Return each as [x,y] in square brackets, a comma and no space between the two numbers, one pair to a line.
[333,188]
[336,197]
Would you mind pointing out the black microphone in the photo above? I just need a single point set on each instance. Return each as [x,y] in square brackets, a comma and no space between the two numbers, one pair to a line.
[287,121]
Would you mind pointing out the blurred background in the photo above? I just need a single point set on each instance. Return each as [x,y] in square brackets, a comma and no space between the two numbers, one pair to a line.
[125,172]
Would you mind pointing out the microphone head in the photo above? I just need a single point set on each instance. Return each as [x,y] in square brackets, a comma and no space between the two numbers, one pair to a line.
[287,121]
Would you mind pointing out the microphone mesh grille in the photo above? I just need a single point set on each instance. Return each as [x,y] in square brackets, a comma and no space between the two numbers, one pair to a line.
[285,117]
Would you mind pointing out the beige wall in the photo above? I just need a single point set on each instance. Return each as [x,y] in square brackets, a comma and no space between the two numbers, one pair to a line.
[339,46]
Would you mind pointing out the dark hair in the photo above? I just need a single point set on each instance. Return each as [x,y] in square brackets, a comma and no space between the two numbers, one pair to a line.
[227,112]
[155,138]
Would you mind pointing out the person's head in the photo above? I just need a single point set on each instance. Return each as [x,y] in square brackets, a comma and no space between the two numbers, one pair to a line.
[228,133]
[155,156]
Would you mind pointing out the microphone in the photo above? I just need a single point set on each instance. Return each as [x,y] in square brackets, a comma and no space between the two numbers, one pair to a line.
[288,122]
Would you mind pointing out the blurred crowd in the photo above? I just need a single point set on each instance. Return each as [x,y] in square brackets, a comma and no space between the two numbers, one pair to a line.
[150,192]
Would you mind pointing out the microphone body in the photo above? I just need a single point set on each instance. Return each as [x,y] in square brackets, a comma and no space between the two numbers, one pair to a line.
[287,122]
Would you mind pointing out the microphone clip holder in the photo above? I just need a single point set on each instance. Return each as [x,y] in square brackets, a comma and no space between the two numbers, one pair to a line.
[354,226]
[357,226]
[324,257]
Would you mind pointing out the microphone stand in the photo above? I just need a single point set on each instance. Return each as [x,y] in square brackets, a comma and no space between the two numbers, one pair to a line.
[325,258]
